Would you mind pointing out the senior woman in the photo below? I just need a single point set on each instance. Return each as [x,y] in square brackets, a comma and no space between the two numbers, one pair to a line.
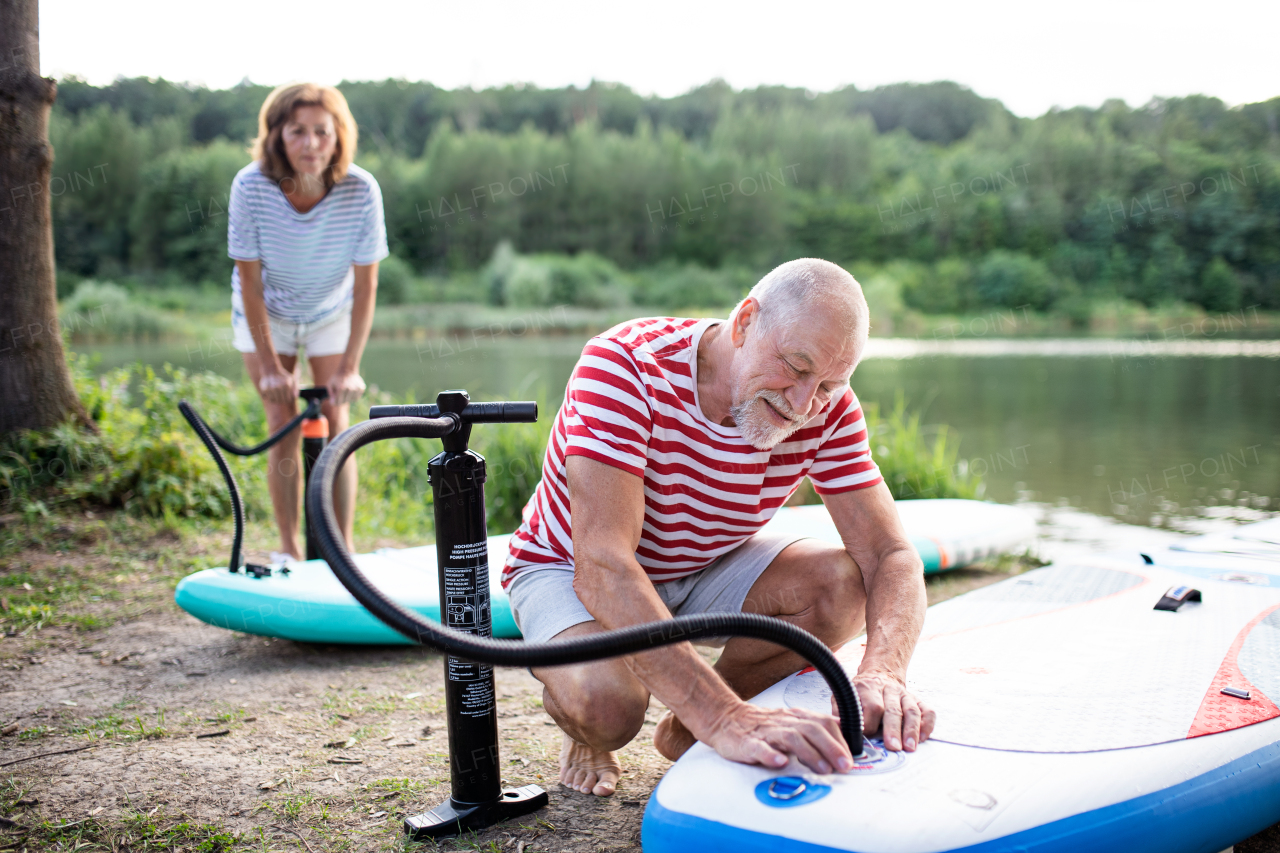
[306,232]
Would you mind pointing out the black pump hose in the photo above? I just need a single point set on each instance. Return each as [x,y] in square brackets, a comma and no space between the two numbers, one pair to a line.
[625,641]
[311,411]
[213,441]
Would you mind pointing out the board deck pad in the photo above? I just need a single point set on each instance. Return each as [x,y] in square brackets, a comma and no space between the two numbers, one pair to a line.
[1259,656]
[1260,539]
[1107,671]
[310,605]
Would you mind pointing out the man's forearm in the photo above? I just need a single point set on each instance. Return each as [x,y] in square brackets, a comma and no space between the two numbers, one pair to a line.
[622,596]
[896,603]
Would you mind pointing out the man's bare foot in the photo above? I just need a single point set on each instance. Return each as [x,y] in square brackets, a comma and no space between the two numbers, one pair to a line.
[588,771]
[671,738]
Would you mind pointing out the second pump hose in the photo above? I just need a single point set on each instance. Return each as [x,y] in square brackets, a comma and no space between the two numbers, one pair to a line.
[486,650]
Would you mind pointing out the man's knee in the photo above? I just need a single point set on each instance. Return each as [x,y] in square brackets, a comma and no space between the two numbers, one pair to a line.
[603,716]
[821,588]
[839,598]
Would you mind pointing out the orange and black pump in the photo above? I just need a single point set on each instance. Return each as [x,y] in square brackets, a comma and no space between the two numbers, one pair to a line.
[315,435]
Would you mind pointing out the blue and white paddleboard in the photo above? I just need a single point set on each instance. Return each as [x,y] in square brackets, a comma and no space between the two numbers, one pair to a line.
[1072,716]
[310,605]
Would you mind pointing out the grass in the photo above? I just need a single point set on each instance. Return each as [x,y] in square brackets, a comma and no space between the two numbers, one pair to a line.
[134,831]
[385,788]
[133,727]
[66,570]
[120,727]
[915,461]
[914,464]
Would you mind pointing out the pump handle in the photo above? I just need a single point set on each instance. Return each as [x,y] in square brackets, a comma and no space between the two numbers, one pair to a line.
[525,411]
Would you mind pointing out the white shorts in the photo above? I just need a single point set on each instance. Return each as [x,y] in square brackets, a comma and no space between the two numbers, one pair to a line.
[544,603]
[327,337]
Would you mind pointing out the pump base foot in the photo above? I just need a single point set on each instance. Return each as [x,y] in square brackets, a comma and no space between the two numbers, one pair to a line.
[454,818]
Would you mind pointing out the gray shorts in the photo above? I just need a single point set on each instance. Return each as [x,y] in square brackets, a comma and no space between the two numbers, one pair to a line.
[544,603]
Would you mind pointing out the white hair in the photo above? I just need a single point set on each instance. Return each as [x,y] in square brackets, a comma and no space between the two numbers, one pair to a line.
[794,289]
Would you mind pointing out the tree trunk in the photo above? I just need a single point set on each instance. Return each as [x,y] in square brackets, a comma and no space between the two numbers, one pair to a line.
[35,386]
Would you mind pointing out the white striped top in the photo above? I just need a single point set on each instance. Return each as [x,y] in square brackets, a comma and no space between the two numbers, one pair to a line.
[306,257]
[632,403]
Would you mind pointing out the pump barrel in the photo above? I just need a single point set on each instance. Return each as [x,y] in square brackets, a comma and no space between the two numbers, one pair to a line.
[522,411]
[462,560]
[315,436]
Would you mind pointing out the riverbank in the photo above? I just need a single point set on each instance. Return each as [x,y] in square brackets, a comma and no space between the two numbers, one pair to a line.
[104,312]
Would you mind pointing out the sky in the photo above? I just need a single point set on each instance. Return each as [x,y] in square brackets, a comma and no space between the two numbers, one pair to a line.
[1032,56]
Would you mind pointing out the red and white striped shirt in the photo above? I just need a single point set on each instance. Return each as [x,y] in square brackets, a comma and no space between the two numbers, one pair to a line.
[632,402]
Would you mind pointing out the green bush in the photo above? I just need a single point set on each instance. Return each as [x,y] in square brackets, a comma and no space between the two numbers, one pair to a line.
[945,290]
[1220,288]
[1013,280]
[585,280]
[528,284]
[1165,276]
[670,287]
[99,311]
[514,454]
[146,459]
[395,281]
[1076,307]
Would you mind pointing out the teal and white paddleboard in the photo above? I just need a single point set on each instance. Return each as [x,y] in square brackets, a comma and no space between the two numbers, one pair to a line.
[308,603]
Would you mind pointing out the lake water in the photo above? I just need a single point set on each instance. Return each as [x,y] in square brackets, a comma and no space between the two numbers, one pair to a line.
[1153,433]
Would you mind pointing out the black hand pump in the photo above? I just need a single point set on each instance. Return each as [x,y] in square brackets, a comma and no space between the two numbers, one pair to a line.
[457,477]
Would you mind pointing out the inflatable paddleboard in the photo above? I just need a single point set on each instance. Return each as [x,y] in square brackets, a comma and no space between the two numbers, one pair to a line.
[947,533]
[1260,539]
[309,604]
[1072,716]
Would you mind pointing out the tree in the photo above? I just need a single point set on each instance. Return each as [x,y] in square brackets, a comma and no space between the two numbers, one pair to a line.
[1219,287]
[35,386]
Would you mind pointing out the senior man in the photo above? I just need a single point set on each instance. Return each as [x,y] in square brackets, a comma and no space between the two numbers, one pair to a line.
[677,441]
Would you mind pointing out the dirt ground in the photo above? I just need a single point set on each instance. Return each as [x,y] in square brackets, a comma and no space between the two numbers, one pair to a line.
[129,726]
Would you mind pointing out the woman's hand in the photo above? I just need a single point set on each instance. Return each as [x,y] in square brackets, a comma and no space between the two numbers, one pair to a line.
[278,385]
[345,386]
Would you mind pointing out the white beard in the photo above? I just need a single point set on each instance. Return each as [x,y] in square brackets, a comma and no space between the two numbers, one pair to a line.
[757,426]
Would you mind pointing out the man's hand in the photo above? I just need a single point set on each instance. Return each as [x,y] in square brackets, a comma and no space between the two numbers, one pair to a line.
[277,384]
[767,736]
[893,577]
[345,386]
[886,701]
